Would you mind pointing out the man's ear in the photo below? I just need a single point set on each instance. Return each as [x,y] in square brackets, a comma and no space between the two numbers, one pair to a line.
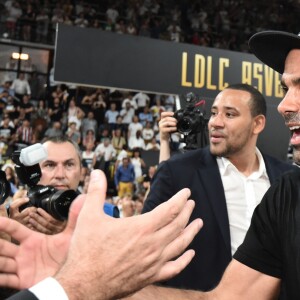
[259,124]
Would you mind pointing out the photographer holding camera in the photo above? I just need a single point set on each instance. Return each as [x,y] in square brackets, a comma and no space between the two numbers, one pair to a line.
[61,169]
[226,179]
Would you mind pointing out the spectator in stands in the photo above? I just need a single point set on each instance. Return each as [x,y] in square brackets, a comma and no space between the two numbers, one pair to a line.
[81,21]
[148,132]
[153,145]
[27,106]
[104,133]
[139,165]
[131,29]
[14,12]
[87,159]
[24,134]
[75,114]
[38,132]
[28,22]
[42,23]
[145,116]
[40,112]
[157,108]
[57,17]
[104,154]
[11,108]
[55,111]
[7,135]
[99,107]
[89,137]
[134,127]
[129,99]
[11,177]
[89,122]
[118,140]
[73,133]
[174,33]
[112,13]
[136,141]
[111,116]
[54,131]
[124,178]
[141,100]
[127,114]
[21,86]
[169,103]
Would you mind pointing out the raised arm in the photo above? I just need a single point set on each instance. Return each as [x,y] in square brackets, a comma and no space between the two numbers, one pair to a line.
[239,282]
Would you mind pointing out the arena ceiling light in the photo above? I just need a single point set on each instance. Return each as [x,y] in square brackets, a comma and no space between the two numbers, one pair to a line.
[22,56]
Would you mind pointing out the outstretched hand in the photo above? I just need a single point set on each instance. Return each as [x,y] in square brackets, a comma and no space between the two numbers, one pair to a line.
[115,257]
[38,255]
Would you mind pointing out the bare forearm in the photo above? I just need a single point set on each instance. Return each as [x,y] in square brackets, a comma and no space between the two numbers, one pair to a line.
[153,292]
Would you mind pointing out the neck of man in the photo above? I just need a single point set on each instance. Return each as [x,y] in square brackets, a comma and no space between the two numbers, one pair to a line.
[246,163]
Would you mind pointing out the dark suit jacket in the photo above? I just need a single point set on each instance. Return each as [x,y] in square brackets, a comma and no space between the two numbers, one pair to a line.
[23,295]
[198,170]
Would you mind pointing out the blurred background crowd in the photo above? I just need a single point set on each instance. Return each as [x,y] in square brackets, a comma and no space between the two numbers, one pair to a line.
[225,24]
[109,124]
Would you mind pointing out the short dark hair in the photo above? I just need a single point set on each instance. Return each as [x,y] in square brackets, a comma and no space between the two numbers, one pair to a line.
[257,104]
[64,139]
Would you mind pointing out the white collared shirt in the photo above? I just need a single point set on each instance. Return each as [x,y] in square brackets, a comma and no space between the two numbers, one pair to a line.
[242,196]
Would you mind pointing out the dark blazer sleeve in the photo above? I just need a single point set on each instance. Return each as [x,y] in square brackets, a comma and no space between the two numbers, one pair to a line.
[23,295]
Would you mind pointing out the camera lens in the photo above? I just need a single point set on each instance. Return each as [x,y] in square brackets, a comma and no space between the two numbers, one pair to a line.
[185,125]
[59,203]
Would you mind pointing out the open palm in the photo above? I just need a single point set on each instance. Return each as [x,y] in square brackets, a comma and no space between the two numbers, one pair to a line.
[38,255]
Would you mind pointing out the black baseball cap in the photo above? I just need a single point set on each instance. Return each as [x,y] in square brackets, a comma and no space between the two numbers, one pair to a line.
[272,47]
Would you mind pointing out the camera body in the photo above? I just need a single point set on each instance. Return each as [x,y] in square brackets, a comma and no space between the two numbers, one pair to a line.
[191,122]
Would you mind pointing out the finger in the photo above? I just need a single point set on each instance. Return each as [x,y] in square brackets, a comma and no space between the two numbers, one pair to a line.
[15,229]
[171,231]
[8,265]
[46,217]
[38,227]
[74,211]
[169,129]
[182,241]
[9,280]
[173,268]
[166,212]
[18,202]
[96,193]
[166,114]
[8,249]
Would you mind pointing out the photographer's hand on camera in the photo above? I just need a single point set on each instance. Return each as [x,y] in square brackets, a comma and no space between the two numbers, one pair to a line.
[21,216]
[41,221]
[167,125]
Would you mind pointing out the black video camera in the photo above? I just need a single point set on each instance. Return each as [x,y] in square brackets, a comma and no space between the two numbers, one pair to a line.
[191,122]
[53,201]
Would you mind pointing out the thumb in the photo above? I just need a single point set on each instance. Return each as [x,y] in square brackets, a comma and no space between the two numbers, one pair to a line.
[96,194]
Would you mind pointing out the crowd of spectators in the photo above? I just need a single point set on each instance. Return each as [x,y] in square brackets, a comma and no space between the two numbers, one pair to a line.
[108,125]
[225,24]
